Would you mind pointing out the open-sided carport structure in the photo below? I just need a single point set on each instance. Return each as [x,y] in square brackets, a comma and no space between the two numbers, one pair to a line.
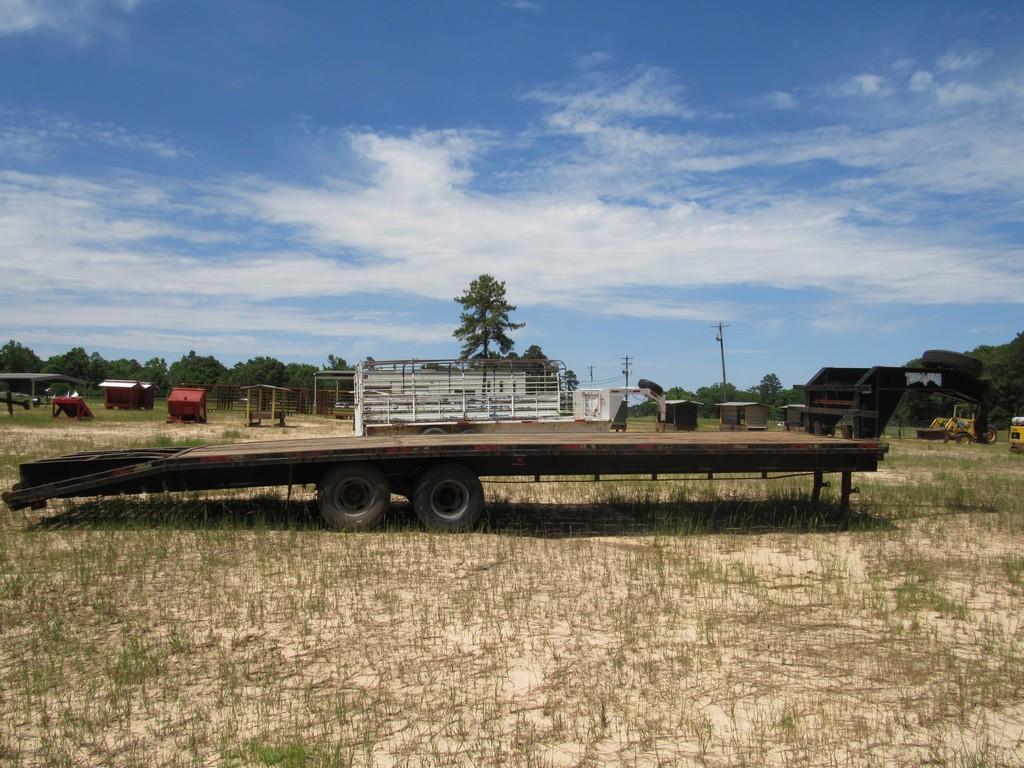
[34,384]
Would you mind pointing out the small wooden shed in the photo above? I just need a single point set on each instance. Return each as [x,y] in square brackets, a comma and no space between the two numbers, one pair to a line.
[794,418]
[127,395]
[739,417]
[681,415]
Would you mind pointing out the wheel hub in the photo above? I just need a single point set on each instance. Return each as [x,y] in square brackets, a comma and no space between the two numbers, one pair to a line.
[355,495]
[450,499]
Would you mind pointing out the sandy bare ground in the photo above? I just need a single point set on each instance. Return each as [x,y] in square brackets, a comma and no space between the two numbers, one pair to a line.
[569,631]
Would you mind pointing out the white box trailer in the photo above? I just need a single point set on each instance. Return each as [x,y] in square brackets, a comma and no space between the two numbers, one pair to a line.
[477,395]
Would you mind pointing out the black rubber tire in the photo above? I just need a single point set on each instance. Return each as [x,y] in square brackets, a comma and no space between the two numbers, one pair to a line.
[990,436]
[648,384]
[470,431]
[448,497]
[942,358]
[353,497]
[433,431]
[964,439]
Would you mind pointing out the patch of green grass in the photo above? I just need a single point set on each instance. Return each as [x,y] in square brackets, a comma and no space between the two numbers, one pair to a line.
[1013,566]
[916,593]
[289,756]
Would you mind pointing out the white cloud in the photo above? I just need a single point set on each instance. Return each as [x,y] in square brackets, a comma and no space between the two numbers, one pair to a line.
[903,65]
[865,85]
[781,100]
[593,59]
[32,134]
[962,56]
[415,226]
[956,94]
[74,19]
[920,81]
[588,105]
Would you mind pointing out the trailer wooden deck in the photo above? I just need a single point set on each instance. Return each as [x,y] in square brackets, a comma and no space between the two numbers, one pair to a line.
[403,461]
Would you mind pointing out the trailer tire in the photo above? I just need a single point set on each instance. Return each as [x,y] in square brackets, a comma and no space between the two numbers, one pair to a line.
[433,431]
[470,431]
[353,497]
[946,359]
[448,497]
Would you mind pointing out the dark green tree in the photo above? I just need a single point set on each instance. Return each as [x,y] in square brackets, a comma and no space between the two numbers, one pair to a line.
[97,368]
[769,388]
[259,370]
[485,319]
[336,363]
[301,375]
[155,372]
[204,370]
[1005,365]
[16,358]
[570,381]
[534,352]
[711,395]
[124,368]
[75,363]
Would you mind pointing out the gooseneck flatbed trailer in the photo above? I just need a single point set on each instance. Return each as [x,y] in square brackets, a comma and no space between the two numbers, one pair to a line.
[355,477]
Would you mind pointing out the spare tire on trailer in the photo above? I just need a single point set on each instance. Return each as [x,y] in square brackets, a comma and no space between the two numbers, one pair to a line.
[945,359]
[353,497]
[648,384]
[448,497]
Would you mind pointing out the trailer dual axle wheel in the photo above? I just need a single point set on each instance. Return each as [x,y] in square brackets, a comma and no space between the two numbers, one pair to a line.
[353,497]
[449,497]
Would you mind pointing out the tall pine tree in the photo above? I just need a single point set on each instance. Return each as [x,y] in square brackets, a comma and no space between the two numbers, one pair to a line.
[485,319]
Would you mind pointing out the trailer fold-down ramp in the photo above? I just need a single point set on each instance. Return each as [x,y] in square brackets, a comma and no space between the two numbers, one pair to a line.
[353,472]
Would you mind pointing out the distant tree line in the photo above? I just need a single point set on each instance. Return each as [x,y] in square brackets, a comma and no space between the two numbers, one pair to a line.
[204,370]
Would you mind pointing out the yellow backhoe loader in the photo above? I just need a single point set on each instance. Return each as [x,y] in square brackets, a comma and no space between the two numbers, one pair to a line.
[959,427]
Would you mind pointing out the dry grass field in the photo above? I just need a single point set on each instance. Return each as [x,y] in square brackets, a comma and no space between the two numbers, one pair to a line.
[633,624]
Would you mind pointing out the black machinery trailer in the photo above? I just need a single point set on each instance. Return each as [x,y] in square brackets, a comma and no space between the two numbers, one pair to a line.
[356,476]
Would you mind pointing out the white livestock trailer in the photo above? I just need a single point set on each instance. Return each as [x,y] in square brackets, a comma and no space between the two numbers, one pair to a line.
[481,395]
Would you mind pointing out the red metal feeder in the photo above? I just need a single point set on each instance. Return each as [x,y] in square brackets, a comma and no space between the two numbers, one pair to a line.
[186,405]
[73,407]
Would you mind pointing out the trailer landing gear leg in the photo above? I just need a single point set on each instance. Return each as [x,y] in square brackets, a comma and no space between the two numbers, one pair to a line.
[847,489]
[819,483]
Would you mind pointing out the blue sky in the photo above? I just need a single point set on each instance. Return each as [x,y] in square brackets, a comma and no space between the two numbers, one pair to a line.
[840,184]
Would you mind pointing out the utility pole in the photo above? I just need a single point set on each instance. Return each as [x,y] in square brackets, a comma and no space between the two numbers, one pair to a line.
[591,373]
[625,367]
[720,338]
